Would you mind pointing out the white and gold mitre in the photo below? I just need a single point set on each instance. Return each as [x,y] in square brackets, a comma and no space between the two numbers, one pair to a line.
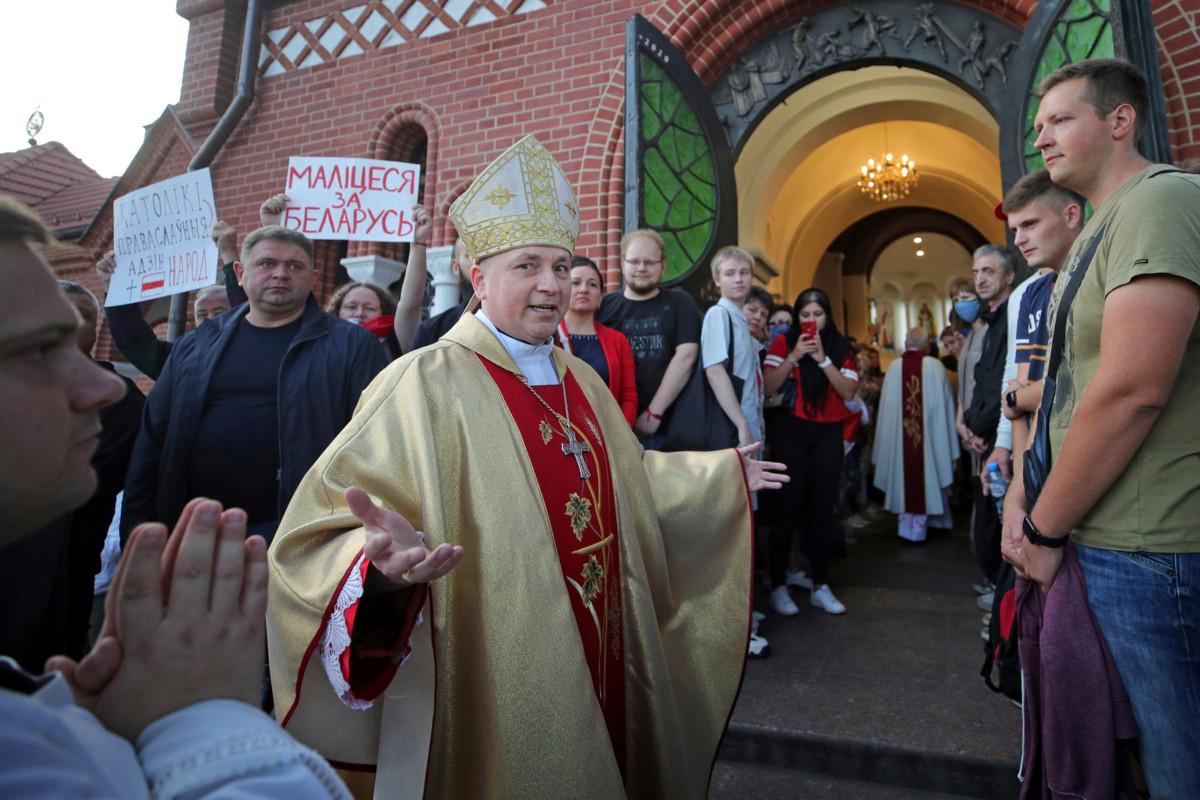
[522,198]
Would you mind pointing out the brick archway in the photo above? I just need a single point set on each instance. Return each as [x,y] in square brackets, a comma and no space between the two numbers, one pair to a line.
[399,136]
[711,33]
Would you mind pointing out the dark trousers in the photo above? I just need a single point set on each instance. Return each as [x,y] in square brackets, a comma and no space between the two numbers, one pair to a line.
[985,531]
[813,454]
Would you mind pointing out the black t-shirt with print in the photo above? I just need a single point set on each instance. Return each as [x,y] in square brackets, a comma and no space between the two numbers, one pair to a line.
[654,328]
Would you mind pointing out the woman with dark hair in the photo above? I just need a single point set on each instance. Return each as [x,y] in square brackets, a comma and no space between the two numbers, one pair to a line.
[809,440]
[605,349]
[370,306]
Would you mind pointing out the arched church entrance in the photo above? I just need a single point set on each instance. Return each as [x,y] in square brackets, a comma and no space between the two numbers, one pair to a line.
[803,213]
[765,150]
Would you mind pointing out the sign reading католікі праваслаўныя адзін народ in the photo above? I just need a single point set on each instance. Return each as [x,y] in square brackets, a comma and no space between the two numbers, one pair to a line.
[351,199]
[162,235]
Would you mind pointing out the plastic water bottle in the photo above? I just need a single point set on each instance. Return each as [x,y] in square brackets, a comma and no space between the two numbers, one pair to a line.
[997,486]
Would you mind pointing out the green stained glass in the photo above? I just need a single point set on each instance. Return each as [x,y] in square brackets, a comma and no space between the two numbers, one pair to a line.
[679,189]
[1083,30]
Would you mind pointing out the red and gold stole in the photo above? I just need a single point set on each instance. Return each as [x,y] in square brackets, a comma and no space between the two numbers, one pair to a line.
[913,432]
[583,517]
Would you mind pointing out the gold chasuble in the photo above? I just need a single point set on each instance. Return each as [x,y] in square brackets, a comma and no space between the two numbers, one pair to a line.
[592,640]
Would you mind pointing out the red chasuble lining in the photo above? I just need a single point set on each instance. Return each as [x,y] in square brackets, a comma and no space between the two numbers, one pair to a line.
[913,433]
[583,518]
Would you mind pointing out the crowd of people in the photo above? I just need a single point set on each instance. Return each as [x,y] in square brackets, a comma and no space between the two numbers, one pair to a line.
[519,531]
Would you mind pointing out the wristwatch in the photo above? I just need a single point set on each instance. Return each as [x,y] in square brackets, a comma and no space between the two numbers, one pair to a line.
[1035,536]
[829,361]
[1010,399]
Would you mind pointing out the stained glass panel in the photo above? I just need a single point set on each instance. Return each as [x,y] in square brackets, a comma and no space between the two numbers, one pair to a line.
[679,188]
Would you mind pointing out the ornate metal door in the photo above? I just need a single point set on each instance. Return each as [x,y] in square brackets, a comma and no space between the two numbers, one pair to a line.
[679,175]
[1063,32]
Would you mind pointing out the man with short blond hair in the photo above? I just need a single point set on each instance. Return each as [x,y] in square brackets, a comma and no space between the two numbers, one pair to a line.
[1124,483]
[727,348]
[663,328]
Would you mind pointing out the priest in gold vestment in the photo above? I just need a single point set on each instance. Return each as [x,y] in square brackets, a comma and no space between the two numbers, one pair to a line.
[589,634]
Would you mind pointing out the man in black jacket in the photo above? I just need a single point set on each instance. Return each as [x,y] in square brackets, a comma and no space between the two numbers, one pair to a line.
[993,271]
[244,406]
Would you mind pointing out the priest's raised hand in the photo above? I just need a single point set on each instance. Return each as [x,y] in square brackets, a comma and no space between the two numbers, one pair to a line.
[397,551]
[762,474]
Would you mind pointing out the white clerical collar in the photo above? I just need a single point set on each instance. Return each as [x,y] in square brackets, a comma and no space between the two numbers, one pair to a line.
[535,361]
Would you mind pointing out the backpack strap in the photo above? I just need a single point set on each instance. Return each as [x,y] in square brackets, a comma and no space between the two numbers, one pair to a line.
[1060,319]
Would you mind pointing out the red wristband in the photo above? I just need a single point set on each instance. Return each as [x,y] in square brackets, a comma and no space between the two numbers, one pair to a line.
[652,415]
[423,244]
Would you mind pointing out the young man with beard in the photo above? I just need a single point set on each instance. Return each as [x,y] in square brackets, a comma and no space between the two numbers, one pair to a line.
[1124,483]
[662,326]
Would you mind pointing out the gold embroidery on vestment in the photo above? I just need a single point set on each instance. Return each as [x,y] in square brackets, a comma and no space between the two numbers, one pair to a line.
[579,509]
[593,580]
[912,407]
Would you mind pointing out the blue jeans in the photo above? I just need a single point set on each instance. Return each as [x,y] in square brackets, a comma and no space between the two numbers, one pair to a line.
[1148,606]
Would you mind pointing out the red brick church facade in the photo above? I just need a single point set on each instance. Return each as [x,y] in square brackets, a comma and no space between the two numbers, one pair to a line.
[453,82]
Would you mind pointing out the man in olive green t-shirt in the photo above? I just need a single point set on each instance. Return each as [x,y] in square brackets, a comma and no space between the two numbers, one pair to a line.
[1125,438]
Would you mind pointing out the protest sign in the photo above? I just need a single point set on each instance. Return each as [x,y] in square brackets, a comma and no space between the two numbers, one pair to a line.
[354,199]
[163,240]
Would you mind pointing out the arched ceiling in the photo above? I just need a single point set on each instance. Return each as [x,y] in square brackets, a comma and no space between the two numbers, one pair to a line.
[899,265]
[797,173]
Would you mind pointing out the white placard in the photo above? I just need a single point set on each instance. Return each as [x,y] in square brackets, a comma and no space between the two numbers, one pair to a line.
[351,199]
[162,236]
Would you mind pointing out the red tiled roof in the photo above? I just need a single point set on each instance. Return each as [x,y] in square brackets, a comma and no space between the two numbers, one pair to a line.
[51,180]
[75,206]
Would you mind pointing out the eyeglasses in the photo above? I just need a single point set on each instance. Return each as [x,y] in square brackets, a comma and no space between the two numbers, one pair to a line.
[643,262]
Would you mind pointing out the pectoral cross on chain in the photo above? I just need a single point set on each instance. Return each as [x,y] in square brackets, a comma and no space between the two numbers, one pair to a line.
[574,447]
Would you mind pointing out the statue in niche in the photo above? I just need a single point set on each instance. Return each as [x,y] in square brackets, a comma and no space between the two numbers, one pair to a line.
[973,55]
[828,44]
[881,333]
[928,28]
[747,78]
[802,44]
[996,61]
[875,29]
[925,319]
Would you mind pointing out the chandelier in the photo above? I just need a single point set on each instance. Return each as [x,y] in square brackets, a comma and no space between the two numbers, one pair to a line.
[887,179]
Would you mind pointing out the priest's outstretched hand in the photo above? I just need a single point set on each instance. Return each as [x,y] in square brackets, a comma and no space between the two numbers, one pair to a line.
[762,474]
[397,551]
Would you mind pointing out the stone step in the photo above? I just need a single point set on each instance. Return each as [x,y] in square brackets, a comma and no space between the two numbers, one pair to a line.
[738,781]
[911,771]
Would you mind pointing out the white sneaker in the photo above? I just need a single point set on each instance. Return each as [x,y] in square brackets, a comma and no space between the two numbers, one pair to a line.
[822,598]
[757,616]
[799,579]
[985,601]
[782,602]
[856,521]
[758,647]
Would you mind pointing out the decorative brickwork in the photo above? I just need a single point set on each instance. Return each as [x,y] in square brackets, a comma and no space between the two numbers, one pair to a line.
[1177,29]
[349,78]
[376,25]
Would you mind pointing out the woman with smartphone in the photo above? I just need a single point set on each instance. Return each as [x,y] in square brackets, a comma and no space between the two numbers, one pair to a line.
[820,361]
